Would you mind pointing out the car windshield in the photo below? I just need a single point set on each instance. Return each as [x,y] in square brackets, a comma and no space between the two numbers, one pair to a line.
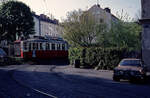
[130,63]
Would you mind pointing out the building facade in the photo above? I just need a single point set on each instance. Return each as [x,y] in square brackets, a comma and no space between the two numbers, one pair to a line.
[145,21]
[100,15]
[45,26]
[103,15]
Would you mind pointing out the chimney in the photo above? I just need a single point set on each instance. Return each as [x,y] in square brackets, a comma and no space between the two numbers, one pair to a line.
[42,16]
[107,10]
[98,5]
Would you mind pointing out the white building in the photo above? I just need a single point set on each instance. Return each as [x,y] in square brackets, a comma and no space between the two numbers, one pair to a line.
[46,26]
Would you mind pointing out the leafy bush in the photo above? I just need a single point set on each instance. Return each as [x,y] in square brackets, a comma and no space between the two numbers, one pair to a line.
[98,57]
[74,54]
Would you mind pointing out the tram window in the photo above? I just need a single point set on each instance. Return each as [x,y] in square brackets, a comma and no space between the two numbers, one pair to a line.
[53,46]
[25,45]
[29,46]
[34,46]
[63,46]
[58,46]
[41,48]
[38,46]
[47,46]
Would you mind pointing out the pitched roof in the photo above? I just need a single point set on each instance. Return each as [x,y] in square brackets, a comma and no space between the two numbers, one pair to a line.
[46,19]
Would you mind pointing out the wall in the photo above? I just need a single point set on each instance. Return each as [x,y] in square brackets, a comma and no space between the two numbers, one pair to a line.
[100,14]
[145,21]
[45,26]
[36,26]
[145,9]
[50,29]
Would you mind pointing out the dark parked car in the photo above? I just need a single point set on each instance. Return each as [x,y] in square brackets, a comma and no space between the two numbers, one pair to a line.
[131,69]
[3,56]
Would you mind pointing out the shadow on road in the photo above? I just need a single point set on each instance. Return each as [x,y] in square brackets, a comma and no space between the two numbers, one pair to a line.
[51,62]
[148,79]
[11,89]
[80,86]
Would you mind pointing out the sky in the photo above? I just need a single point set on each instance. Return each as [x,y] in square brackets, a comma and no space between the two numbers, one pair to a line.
[59,8]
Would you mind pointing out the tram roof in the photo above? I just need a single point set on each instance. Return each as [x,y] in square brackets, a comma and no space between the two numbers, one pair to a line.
[45,40]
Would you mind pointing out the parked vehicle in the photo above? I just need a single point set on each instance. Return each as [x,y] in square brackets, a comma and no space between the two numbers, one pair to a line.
[3,56]
[2,53]
[131,69]
[41,48]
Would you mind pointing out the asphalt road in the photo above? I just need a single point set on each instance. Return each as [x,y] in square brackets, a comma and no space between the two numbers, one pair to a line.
[60,81]
[9,88]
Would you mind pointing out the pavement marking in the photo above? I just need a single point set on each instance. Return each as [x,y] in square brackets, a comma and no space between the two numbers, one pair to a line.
[49,95]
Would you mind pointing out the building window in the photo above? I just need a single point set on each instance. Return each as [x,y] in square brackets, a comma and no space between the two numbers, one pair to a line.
[101,20]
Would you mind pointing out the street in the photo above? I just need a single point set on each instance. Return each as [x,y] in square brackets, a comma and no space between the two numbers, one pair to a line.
[64,81]
[9,88]
[69,50]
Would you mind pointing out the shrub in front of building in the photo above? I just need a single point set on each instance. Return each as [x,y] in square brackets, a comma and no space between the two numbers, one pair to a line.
[97,57]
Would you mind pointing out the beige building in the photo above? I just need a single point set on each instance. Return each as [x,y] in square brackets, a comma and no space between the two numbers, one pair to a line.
[102,15]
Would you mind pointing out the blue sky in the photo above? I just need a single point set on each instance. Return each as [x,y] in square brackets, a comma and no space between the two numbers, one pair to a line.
[59,8]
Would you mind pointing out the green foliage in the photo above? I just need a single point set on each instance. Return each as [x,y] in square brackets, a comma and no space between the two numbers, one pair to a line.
[82,30]
[74,54]
[125,34]
[98,46]
[16,20]
[93,57]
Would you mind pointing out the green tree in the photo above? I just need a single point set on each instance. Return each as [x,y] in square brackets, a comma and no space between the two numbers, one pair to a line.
[81,29]
[126,34]
[16,20]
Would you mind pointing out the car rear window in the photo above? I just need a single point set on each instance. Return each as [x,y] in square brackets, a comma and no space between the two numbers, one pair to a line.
[130,63]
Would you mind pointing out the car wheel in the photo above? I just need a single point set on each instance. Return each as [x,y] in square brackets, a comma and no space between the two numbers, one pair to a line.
[116,78]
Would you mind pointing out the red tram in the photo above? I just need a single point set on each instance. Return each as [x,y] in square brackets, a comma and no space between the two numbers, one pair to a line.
[41,48]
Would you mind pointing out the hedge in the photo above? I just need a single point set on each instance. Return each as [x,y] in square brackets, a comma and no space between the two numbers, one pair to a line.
[97,57]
